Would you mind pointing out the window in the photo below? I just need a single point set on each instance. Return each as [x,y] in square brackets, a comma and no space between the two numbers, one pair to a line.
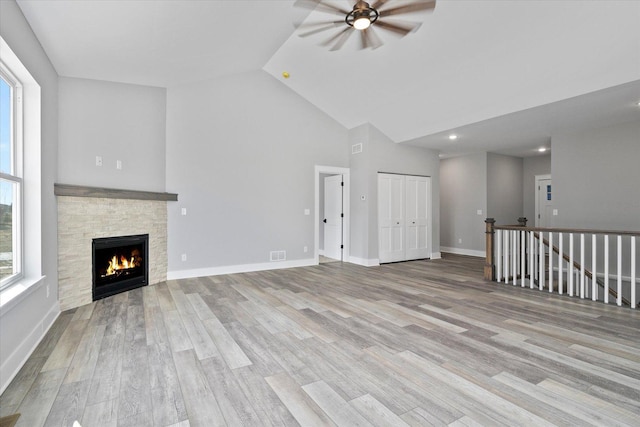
[10,178]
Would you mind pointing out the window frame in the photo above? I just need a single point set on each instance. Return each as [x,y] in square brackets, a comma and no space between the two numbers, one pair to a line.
[16,174]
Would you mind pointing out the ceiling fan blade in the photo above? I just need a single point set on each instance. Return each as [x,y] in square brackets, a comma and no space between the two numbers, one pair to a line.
[378,4]
[320,6]
[340,38]
[325,27]
[398,28]
[364,39]
[374,39]
[413,7]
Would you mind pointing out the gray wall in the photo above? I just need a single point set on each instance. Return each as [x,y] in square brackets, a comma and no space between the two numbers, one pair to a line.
[504,188]
[118,122]
[463,191]
[380,154]
[359,209]
[241,152]
[596,178]
[532,166]
[25,321]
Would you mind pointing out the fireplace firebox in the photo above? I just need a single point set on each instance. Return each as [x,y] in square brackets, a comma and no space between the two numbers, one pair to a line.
[119,264]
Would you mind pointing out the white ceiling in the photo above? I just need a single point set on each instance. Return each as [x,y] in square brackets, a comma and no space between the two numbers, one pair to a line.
[505,76]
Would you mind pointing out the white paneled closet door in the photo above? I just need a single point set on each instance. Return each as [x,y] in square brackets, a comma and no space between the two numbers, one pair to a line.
[403,217]
[417,225]
[391,217]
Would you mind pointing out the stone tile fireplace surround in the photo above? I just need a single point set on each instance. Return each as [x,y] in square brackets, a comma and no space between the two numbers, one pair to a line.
[85,213]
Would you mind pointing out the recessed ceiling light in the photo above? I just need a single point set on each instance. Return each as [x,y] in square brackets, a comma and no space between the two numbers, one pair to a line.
[453,137]
[542,149]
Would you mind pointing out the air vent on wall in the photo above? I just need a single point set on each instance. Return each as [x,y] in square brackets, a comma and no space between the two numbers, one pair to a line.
[277,256]
[356,148]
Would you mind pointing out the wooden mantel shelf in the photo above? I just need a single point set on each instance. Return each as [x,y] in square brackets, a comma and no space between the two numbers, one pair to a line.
[111,193]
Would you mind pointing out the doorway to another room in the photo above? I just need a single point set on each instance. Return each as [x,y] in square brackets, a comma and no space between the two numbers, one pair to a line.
[332,214]
[544,201]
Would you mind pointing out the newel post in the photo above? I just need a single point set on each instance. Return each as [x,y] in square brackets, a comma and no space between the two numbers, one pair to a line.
[522,221]
[489,270]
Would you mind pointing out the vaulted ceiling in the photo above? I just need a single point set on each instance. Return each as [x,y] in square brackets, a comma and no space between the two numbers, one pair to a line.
[503,75]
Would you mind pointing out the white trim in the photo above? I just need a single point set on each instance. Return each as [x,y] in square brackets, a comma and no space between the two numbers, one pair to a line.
[239,268]
[13,294]
[345,172]
[16,360]
[460,251]
[538,178]
[364,262]
[436,255]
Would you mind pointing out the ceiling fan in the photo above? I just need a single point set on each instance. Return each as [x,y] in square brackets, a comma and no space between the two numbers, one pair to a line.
[362,18]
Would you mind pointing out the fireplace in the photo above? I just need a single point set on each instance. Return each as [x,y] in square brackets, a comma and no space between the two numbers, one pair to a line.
[119,264]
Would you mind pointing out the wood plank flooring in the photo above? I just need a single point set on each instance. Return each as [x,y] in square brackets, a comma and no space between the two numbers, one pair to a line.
[410,344]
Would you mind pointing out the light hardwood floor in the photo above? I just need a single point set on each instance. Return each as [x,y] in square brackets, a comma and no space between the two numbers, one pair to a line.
[418,343]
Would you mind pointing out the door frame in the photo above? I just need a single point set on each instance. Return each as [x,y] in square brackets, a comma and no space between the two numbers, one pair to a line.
[538,178]
[331,170]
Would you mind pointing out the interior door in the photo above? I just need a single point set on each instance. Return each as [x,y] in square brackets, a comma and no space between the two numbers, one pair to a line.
[391,217]
[417,208]
[545,203]
[333,217]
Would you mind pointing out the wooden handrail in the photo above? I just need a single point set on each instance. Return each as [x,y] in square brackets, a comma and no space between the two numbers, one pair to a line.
[567,230]
[490,272]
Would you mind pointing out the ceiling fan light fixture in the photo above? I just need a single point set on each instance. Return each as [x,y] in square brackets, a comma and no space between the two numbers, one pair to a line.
[362,23]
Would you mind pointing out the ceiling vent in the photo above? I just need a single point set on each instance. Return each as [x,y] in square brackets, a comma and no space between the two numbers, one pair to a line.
[356,148]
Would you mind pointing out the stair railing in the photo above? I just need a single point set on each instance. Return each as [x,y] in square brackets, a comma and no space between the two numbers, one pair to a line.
[535,257]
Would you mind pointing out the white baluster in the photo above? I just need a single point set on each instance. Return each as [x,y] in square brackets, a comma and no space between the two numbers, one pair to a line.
[570,270]
[523,256]
[541,262]
[498,255]
[619,289]
[532,267]
[507,256]
[550,261]
[514,256]
[581,265]
[594,276]
[560,263]
[633,271]
[606,269]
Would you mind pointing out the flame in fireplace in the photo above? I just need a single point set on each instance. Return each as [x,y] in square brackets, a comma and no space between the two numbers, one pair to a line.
[116,265]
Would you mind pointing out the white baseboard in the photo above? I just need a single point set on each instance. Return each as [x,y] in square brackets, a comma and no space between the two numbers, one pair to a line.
[436,255]
[12,365]
[240,268]
[460,251]
[364,262]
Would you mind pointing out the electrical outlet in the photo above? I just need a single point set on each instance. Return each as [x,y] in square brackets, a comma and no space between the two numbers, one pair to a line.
[118,164]
[184,257]
[98,160]
[479,212]
[459,240]
[305,249]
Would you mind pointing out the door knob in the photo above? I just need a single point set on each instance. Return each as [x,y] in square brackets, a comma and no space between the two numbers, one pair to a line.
[324,220]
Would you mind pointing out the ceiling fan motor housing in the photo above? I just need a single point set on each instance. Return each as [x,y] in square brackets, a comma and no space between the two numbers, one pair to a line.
[361,10]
